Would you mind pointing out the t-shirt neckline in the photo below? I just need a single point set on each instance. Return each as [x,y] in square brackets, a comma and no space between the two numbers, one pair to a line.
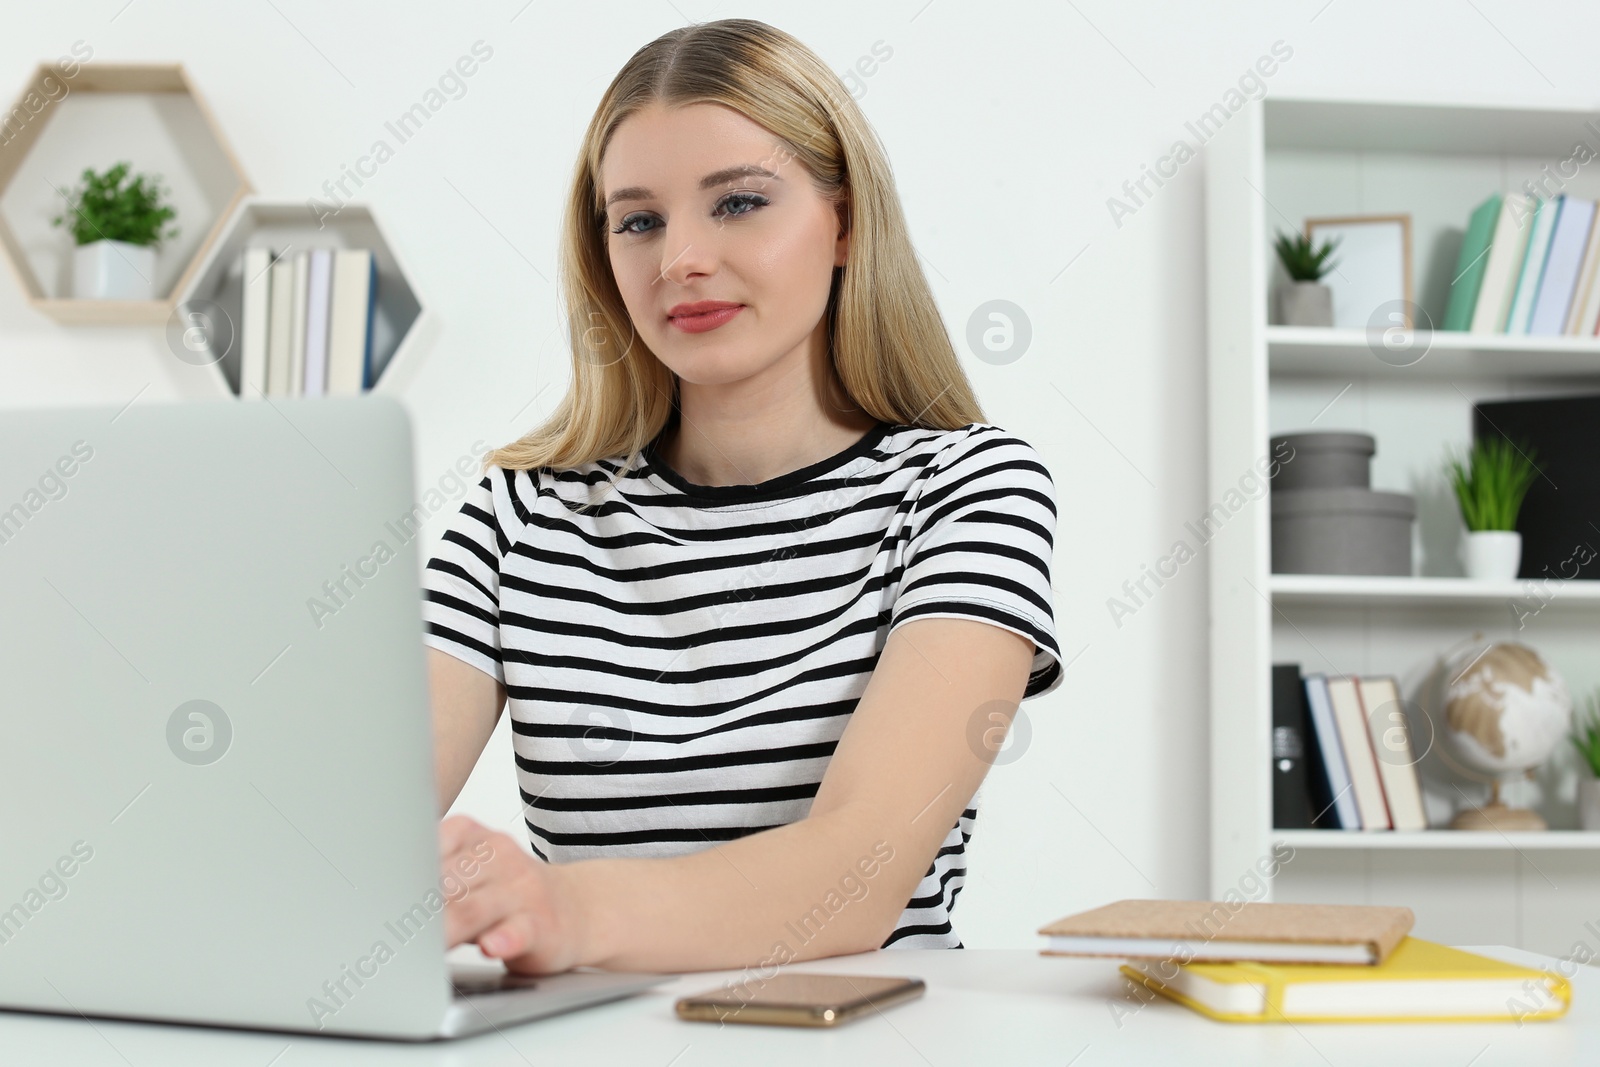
[737,494]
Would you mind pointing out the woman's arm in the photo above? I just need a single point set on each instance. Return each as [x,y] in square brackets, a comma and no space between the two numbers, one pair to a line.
[908,763]
[466,705]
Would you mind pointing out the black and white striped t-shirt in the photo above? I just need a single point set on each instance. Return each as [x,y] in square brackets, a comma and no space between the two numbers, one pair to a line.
[680,660]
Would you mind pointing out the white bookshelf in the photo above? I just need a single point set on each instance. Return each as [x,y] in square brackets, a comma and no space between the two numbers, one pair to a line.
[399,319]
[1438,839]
[1273,164]
[1319,353]
[1311,590]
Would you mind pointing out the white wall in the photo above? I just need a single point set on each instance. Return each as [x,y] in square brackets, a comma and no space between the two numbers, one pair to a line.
[1008,131]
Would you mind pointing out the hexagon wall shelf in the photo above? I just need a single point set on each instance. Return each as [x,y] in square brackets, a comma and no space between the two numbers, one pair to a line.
[399,319]
[148,114]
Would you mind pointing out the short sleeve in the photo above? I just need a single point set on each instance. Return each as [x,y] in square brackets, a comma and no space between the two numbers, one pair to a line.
[983,530]
[461,583]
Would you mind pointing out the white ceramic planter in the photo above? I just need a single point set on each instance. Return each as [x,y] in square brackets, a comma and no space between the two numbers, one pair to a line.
[1306,304]
[113,270]
[1589,802]
[1492,555]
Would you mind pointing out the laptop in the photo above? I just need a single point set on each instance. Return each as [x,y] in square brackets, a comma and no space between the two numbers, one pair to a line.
[216,769]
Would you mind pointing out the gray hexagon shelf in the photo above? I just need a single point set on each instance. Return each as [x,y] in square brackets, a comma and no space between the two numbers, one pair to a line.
[398,320]
[149,114]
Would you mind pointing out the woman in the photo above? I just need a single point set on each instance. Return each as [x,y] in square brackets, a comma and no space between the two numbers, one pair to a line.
[766,590]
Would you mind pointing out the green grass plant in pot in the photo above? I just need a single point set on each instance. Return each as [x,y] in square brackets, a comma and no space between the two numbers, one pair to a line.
[116,223]
[1305,301]
[1490,482]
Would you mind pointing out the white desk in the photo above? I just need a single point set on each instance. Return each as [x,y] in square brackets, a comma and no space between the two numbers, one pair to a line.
[982,1007]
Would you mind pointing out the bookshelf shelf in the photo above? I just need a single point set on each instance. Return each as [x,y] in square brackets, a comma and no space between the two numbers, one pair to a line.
[1278,161]
[1301,351]
[1438,839]
[400,318]
[152,116]
[1306,590]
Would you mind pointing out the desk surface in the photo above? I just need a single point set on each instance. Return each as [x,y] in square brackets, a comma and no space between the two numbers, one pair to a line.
[982,1006]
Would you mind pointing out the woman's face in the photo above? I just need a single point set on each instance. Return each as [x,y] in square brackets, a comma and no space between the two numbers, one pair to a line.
[712,208]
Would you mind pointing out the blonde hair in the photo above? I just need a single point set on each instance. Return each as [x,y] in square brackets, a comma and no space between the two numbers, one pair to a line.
[889,346]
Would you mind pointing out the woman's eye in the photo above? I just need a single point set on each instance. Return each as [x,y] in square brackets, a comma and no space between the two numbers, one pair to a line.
[751,201]
[734,205]
[626,225]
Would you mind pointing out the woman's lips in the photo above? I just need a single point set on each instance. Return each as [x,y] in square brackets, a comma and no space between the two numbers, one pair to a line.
[709,321]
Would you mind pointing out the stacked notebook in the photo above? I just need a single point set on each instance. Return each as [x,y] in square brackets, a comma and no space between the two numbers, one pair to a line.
[307,321]
[1528,266]
[1259,962]
[1342,756]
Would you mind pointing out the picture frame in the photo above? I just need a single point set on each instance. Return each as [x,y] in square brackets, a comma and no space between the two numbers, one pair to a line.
[1372,269]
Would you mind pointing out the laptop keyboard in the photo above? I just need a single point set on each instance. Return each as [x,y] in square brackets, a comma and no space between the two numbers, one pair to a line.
[477,985]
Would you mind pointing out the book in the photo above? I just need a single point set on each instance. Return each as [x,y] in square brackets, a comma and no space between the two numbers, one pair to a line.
[297,323]
[1291,785]
[282,298]
[355,293]
[1347,934]
[1357,745]
[1471,264]
[255,317]
[1568,242]
[1506,252]
[1391,746]
[1586,297]
[319,293]
[1421,981]
[1543,225]
[1330,776]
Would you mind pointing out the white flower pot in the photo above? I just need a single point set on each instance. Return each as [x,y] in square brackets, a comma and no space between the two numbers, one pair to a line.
[1589,802]
[1492,555]
[114,270]
[1305,304]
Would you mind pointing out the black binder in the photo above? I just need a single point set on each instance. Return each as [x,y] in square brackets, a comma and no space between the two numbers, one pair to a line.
[1291,784]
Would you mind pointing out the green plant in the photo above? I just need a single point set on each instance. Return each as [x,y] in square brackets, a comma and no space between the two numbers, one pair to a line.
[1586,735]
[1303,262]
[1490,482]
[105,209]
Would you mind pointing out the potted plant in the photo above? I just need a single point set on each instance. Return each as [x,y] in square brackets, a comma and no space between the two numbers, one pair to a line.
[1586,737]
[117,230]
[1489,484]
[1305,301]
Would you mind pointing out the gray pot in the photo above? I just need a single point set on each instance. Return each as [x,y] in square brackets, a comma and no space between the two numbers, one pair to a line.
[1323,460]
[1305,304]
[1341,531]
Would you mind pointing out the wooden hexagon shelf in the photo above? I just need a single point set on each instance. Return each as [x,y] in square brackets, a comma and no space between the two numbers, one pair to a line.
[148,114]
[283,226]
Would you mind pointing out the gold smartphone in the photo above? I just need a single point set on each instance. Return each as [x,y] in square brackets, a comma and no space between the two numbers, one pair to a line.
[800,999]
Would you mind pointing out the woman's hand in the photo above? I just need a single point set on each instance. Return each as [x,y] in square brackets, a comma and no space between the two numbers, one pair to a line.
[516,907]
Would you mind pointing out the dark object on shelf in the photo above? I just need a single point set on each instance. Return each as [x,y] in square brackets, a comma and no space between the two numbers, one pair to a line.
[1324,460]
[1341,531]
[1291,786]
[1560,514]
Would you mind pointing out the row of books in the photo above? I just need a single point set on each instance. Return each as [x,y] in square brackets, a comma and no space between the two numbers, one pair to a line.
[1528,266]
[1342,757]
[1255,961]
[307,320]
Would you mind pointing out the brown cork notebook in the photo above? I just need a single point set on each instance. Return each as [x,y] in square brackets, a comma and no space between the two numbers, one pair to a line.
[1187,930]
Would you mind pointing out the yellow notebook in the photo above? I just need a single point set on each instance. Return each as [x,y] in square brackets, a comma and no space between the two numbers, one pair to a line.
[1420,982]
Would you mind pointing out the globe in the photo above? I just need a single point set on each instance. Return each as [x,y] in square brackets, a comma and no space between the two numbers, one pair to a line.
[1505,712]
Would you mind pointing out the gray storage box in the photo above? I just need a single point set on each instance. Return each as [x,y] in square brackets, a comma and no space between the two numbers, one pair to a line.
[1341,531]
[1324,461]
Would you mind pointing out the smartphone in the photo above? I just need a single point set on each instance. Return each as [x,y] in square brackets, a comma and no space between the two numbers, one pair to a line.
[800,999]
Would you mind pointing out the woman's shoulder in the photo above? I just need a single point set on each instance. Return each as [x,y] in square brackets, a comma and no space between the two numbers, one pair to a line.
[947,448]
